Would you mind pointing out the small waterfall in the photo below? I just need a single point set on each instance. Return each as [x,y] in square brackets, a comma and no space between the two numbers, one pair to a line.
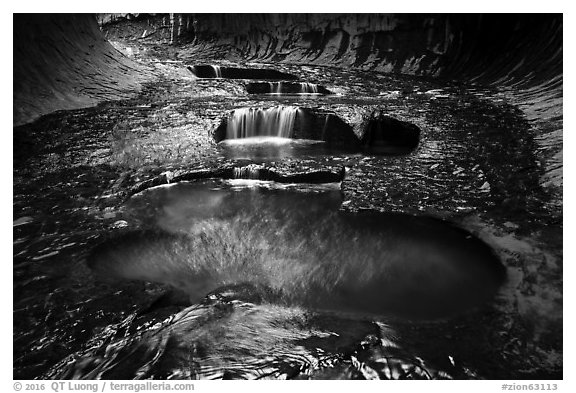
[308,88]
[250,122]
[171,29]
[217,71]
[275,87]
[281,87]
[325,128]
[251,172]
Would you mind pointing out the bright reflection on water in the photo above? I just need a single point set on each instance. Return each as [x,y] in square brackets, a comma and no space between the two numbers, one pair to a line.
[270,148]
[294,94]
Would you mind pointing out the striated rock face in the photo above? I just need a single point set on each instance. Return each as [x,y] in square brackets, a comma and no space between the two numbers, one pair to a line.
[483,48]
[161,28]
[61,61]
[500,49]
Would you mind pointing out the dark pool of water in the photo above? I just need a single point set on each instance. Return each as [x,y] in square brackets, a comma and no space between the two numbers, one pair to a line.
[279,283]
[291,238]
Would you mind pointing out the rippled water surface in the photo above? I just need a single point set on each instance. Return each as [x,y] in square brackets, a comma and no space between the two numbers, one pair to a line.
[278,263]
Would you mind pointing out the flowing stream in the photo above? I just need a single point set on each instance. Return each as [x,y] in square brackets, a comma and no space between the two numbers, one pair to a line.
[252,122]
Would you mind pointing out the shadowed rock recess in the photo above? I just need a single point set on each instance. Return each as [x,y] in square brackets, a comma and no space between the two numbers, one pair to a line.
[384,134]
[208,71]
[288,196]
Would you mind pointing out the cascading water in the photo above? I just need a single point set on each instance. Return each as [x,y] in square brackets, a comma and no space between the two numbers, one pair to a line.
[251,172]
[308,88]
[250,122]
[275,87]
[217,71]
[292,88]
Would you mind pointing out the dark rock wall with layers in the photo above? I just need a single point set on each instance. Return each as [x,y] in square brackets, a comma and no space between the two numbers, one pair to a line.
[488,49]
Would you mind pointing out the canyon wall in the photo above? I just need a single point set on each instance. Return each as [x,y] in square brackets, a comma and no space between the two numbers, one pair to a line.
[488,49]
[61,61]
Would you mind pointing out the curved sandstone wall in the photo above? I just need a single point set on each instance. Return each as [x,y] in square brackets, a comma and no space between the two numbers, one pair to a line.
[61,61]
